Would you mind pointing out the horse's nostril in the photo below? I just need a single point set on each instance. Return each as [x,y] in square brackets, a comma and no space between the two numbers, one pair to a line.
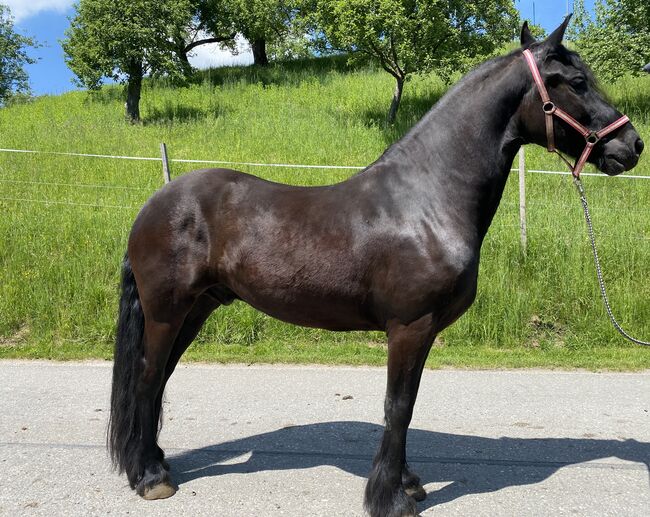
[639,146]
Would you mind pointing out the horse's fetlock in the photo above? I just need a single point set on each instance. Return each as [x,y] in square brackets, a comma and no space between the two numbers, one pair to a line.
[385,496]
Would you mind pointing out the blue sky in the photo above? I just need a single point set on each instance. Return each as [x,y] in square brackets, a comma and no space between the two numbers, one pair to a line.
[46,20]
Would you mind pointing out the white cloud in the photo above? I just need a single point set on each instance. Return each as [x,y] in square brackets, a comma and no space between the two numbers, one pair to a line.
[22,9]
[211,55]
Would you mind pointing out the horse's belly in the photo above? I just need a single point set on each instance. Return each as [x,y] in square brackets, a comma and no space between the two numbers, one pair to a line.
[299,282]
[313,311]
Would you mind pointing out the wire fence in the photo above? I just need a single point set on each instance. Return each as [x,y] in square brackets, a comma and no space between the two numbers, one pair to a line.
[262,164]
[522,204]
[76,185]
[68,203]
[182,160]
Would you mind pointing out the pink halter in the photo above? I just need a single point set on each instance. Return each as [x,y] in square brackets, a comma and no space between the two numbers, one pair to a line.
[550,109]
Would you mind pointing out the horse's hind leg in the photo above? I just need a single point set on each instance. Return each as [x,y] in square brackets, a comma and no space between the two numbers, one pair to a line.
[200,312]
[160,333]
[151,314]
[392,489]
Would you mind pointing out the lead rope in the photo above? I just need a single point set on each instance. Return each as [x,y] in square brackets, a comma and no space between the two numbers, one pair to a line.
[599,273]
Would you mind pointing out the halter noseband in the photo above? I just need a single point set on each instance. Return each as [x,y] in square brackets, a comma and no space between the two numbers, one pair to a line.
[550,109]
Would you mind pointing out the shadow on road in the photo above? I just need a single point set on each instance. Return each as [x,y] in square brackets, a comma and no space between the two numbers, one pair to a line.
[467,464]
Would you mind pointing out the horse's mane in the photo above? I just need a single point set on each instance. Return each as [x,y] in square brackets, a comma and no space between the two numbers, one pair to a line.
[479,74]
[486,69]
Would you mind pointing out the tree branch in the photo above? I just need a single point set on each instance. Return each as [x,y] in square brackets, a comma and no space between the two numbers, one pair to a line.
[218,39]
[385,62]
[395,61]
[446,36]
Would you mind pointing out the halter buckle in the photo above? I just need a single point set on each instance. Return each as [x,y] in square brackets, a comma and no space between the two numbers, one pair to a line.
[592,138]
[549,108]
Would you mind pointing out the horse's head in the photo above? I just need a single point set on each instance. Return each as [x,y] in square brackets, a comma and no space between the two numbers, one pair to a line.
[572,89]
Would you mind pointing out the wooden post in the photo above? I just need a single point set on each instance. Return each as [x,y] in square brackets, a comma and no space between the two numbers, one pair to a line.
[165,163]
[522,199]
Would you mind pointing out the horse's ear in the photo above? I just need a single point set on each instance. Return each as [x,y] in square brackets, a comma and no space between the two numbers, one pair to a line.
[556,37]
[527,38]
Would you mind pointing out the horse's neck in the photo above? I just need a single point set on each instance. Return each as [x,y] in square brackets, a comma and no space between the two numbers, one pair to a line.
[461,152]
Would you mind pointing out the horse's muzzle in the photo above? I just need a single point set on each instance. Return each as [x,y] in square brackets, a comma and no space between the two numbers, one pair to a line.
[621,153]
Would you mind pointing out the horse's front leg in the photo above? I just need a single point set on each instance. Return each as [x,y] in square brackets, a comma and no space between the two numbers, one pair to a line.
[392,488]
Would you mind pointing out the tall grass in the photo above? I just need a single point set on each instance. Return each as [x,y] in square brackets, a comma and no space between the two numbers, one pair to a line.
[60,262]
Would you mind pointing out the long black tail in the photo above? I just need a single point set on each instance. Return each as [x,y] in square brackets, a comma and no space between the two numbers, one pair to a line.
[124,426]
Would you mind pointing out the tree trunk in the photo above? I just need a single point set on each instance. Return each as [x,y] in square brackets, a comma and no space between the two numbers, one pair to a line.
[397,97]
[259,52]
[133,90]
[186,67]
[181,52]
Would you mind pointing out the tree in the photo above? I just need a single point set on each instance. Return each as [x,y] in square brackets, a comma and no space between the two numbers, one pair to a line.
[409,36]
[124,40]
[259,21]
[13,58]
[205,16]
[617,40]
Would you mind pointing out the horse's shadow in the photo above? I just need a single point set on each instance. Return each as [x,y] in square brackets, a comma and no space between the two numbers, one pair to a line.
[468,464]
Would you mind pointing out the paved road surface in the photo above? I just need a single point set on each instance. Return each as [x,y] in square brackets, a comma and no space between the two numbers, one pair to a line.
[278,440]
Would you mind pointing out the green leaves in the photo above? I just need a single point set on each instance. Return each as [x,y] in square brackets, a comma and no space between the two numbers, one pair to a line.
[408,36]
[617,40]
[254,19]
[112,38]
[13,57]
[123,40]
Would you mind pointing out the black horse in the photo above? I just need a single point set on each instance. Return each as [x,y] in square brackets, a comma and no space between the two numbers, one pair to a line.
[396,247]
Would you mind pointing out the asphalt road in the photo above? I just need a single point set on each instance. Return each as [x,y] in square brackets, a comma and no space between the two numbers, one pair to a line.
[278,440]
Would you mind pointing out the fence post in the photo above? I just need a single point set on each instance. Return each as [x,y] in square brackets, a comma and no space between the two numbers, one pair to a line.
[522,199]
[165,163]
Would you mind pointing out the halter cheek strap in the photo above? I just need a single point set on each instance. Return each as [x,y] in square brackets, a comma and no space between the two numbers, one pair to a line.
[551,110]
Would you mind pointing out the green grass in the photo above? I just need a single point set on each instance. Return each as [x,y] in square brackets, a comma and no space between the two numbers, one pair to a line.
[59,263]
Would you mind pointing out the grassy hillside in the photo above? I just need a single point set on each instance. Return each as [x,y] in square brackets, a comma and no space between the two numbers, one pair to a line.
[65,220]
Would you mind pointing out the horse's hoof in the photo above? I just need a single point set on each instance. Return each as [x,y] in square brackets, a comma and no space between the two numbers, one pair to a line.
[416,492]
[160,491]
[156,483]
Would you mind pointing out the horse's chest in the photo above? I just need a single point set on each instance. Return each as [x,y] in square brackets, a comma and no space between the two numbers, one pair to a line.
[432,279]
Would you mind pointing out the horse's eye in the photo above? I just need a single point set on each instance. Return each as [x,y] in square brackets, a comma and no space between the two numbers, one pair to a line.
[579,85]
[554,80]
